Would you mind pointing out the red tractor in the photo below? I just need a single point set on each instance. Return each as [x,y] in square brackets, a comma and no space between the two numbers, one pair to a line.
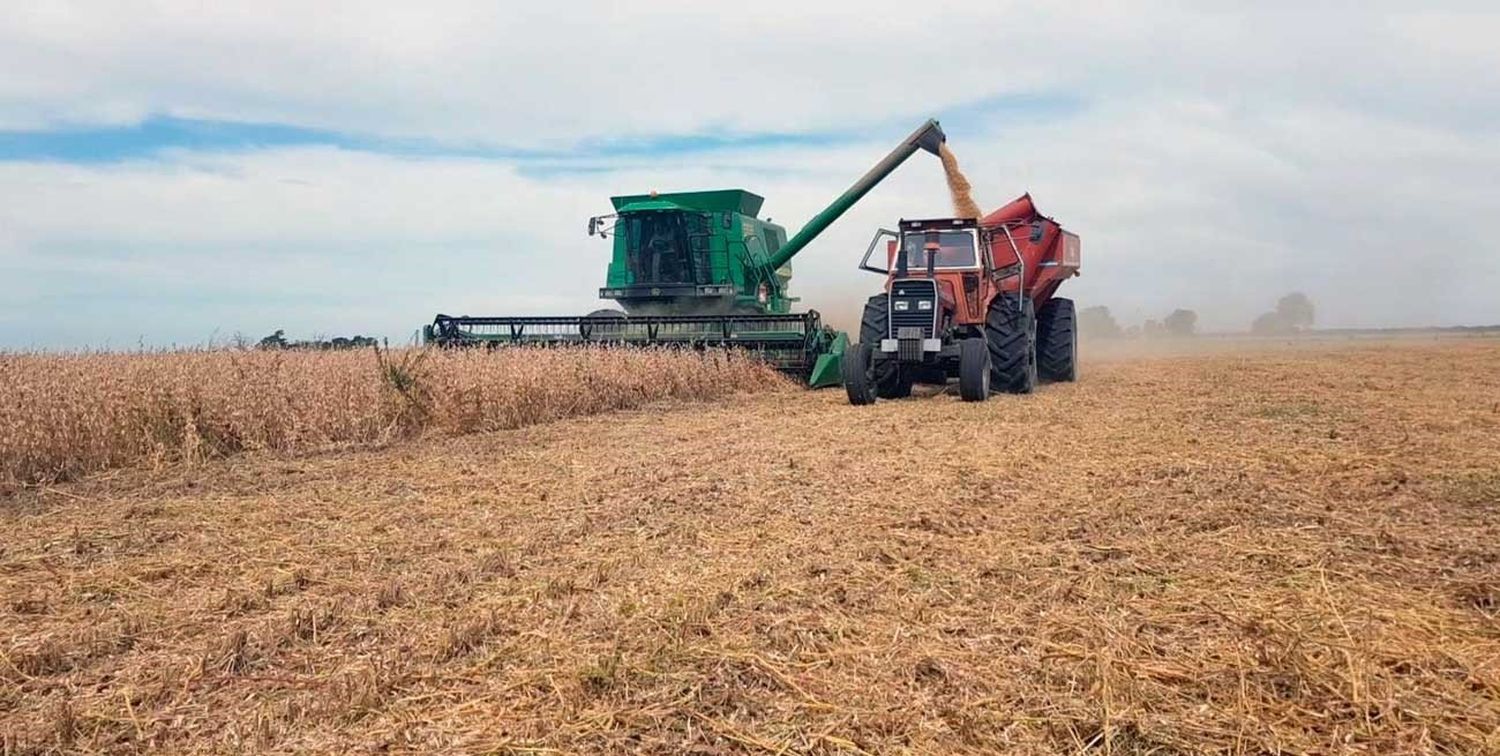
[968,299]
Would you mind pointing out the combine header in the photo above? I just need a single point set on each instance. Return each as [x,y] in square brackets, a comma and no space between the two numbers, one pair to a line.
[699,270]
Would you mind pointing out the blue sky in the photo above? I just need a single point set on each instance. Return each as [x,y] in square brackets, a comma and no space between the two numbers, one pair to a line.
[155,134]
[158,134]
[174,174]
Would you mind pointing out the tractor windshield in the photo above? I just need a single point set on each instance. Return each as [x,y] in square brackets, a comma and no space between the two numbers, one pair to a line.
[667,247]
[955,249]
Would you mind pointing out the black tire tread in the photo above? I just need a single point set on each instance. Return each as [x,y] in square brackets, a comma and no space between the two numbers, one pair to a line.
[1057,341]
[1008,333]
[854,375]
[890,381]
[973,371]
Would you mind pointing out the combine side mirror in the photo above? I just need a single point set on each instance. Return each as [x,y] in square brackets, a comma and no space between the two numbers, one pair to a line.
[593,225]
[1036,232]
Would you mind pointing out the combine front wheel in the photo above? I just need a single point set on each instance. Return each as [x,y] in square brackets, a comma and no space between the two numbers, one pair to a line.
[599,327]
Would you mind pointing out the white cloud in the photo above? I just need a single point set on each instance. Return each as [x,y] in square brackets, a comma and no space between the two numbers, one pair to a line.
[520,73]
[1221,155]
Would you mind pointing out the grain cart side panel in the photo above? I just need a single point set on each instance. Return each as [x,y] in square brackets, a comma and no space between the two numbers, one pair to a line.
[1049,254]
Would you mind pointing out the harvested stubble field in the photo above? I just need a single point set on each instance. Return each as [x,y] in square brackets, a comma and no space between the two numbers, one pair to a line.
[1284,551]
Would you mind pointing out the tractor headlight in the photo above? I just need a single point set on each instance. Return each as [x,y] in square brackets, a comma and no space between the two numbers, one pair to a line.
[925,304]
[903,305]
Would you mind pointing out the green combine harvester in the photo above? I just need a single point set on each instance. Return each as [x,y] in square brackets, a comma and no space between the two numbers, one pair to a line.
[698,270]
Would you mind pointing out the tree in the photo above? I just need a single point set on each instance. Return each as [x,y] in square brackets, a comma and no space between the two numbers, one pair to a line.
[1096,322]
[1295,310]
[1181,322]
[1268,324]
[1152,329]
[274,341]
[1293,313]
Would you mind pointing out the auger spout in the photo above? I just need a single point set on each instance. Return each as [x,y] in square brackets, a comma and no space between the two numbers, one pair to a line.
[928,137]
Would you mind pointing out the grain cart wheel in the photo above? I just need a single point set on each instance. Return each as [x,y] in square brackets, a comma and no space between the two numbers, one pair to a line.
[973,370]
[1057,341]
[855,370]
[1011,334]
[889,380]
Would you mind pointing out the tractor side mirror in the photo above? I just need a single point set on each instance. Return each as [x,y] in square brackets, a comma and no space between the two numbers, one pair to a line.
[593,226]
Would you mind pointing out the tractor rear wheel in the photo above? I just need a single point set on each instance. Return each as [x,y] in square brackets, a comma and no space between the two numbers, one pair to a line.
[1010,331]
[1057,341]
[855,370]
[891,382]
[973,370]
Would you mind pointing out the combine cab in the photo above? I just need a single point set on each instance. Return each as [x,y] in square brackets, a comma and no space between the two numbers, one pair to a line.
[698,270]
[972,300]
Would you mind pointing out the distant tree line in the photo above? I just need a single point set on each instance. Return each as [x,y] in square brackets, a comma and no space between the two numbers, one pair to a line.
[278,340]
[1294,313]
[1099,323]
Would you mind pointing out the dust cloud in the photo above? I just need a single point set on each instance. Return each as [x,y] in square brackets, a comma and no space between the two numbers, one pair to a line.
[958,186]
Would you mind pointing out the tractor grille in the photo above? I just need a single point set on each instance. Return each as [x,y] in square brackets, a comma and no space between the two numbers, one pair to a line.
[914,305]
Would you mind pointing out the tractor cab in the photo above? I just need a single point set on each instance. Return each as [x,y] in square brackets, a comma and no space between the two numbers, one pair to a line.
[943,257]
[928,242]
[927,248]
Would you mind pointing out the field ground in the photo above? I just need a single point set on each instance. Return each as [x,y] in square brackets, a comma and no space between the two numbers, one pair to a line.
[1281,550]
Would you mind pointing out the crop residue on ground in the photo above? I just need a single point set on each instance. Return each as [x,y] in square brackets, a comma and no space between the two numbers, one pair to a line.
[1282,551]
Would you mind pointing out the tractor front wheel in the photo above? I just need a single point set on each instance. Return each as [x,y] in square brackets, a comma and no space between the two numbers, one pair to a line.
[973,370]
[855,369]
[891,382]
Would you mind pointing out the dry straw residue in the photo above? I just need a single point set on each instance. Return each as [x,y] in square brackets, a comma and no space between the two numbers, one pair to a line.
[66,415]
[1290,552]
